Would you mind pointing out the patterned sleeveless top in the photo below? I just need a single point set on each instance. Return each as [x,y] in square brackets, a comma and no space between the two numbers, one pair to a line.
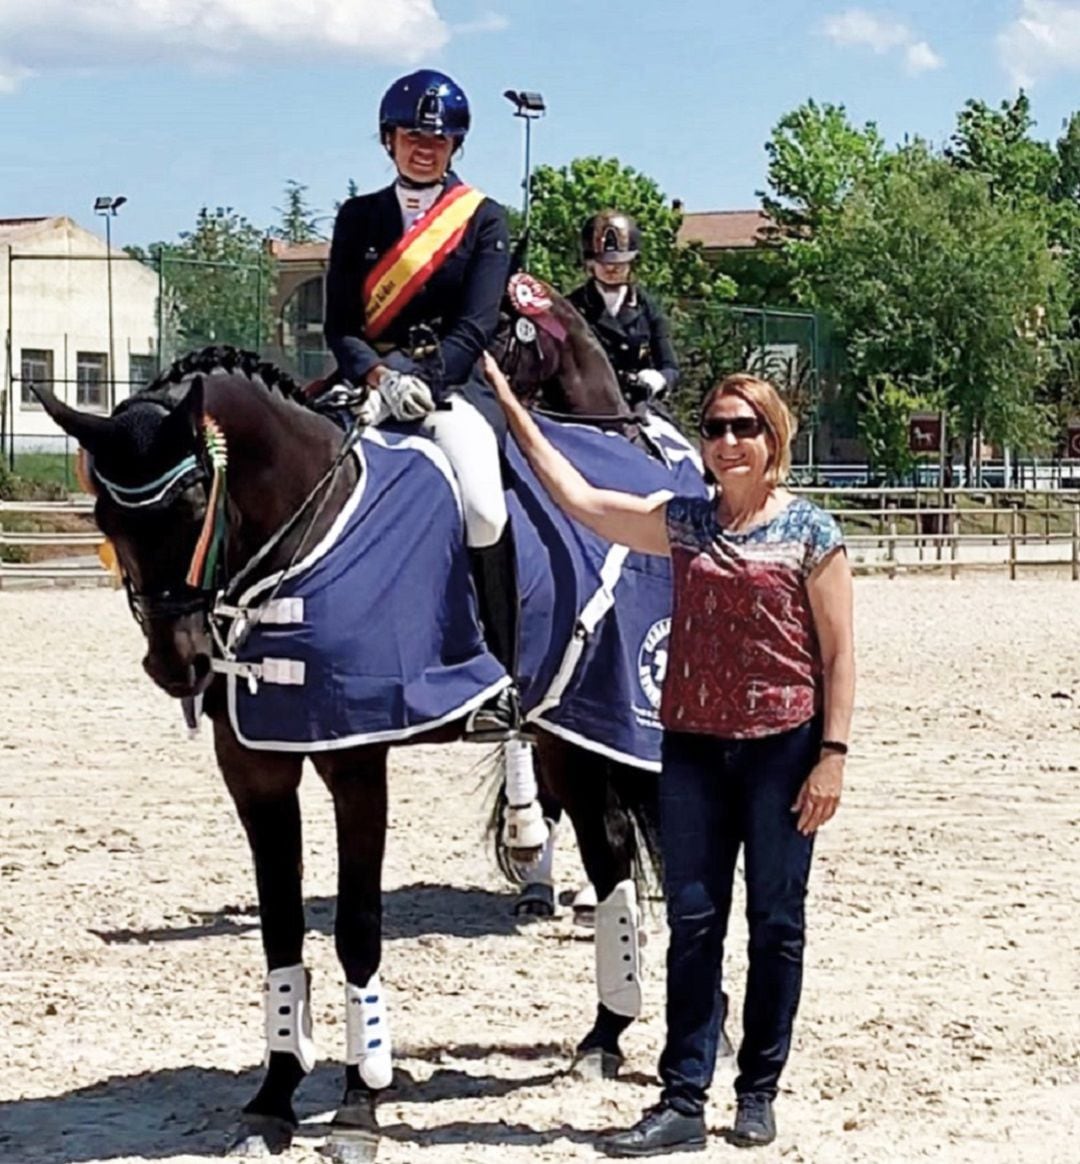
[744,659]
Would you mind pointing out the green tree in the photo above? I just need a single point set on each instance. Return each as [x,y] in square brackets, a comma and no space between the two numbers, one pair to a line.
[816,158]
[218,282]
[563,198]
[299,222]
[997,144]
[934,283]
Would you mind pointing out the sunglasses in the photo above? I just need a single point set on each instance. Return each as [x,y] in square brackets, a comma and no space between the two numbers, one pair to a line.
[742,428]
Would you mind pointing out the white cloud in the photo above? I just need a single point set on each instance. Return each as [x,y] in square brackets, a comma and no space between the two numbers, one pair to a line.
[36,35]
[1043,39]
[921,58]
[882,34]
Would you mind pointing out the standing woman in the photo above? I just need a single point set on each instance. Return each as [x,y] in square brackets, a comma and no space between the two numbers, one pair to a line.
[756,711]
[417,273]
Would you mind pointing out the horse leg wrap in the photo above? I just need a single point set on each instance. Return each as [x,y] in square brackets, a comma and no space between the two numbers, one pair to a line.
[367,1033]
[618,951]
[288,1014]
[524,826]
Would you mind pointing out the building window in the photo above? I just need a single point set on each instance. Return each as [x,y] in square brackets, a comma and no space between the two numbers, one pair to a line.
[37,368]
[91,380]
[141,371]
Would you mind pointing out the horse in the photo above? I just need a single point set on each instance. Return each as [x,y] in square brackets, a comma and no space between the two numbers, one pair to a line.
[194,507]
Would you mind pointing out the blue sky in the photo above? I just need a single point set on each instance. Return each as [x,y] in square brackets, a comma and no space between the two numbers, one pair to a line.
[179,103]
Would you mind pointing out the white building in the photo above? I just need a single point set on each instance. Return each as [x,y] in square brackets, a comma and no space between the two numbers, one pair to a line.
[54,313]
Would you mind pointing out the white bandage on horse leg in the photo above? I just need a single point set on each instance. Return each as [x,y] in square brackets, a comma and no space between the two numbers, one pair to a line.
[524,826]
[542,870]
[367,1033]
[521,788]
[287,1006]
[618,951]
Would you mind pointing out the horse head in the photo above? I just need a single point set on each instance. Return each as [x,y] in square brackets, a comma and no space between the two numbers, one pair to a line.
[149,468]
[552,359]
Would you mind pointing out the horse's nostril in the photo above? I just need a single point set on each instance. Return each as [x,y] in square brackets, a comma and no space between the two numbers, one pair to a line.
[201,667]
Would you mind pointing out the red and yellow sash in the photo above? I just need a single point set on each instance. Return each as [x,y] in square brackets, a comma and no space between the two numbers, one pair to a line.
[421,250]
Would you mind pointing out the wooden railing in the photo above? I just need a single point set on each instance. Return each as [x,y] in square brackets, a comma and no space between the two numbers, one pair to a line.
[888,537]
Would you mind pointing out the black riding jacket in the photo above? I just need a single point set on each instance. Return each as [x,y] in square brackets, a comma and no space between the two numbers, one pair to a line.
[459,302]
[637,338]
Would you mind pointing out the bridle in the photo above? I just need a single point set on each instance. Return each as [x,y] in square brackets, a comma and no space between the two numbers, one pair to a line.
[208,588]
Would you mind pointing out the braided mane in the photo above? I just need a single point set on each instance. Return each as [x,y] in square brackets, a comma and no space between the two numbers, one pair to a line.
[230,359]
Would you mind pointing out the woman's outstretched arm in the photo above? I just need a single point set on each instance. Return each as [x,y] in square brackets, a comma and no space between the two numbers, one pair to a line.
[625,518]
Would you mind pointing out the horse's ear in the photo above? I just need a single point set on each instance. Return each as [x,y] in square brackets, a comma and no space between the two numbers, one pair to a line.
[186,417]
[91,431]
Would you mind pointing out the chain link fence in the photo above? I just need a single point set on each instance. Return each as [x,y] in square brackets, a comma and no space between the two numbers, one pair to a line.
[94,328]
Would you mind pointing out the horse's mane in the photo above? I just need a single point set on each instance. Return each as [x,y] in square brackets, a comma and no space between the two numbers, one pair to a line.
[224,357]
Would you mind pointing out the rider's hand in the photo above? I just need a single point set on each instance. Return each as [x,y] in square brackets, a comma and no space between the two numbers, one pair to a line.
[407,397]
[653,382]
[372,410]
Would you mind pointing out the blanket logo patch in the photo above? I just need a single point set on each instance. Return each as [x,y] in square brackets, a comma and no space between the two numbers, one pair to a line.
[653,660]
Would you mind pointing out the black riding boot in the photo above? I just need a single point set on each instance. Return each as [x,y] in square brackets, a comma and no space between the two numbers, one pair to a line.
[494,572]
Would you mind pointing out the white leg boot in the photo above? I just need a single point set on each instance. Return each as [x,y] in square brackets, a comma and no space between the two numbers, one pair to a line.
[367,1033]
[524,828]
[618,951]
[287,1012]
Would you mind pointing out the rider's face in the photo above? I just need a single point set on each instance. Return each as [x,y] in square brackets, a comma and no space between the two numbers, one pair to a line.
[614,274]
[421,157]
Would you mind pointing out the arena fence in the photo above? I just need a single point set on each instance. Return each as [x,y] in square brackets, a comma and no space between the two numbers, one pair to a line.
[888,531]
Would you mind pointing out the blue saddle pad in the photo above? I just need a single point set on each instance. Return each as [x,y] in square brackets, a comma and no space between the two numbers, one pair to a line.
[374,636]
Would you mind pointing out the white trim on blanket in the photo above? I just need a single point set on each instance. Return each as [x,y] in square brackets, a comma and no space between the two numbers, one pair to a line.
[573,737]
[393,735]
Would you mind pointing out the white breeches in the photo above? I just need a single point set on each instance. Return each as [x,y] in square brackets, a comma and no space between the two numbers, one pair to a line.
[473,452]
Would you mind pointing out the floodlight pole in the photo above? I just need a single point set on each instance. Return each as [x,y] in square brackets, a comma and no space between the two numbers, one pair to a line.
[107,208]
[528,106]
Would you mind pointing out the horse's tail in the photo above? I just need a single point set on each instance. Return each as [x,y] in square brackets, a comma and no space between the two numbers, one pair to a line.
[636,792]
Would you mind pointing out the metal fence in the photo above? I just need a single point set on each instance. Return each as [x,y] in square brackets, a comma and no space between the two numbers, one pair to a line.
[96,327]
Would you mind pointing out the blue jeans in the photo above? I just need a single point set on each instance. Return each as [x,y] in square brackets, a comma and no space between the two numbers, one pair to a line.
[715,796]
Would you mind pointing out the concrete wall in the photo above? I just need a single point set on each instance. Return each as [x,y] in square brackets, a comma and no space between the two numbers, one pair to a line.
[59,302]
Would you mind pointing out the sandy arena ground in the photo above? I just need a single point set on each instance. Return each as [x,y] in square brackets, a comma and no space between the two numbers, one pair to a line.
[941,1016]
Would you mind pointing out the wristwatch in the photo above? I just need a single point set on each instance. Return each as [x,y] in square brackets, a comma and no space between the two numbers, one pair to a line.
[841,749]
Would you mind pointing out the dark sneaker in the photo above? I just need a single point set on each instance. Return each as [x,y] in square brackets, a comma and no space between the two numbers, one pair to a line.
[755,1124]
[496,720]
[661,1129]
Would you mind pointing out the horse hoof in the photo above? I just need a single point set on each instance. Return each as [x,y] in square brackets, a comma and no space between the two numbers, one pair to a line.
[596,1063]
[351,1145]
[585,916]
[259,1136]
[535,900]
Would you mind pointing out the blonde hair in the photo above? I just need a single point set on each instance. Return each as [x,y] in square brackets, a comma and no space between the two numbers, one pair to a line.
[764,399]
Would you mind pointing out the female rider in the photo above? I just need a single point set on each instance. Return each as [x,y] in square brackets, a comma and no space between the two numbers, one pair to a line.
[417,272]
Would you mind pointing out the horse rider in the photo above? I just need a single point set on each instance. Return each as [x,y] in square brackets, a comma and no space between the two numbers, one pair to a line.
[627,321]
[416,276]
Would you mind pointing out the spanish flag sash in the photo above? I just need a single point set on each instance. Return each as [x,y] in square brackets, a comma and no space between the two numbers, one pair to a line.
[421,250]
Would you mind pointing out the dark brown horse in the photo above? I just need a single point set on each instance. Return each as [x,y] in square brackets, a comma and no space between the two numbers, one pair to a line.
[288,477]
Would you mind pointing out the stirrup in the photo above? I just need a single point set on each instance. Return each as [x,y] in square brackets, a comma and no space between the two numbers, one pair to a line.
[496,720]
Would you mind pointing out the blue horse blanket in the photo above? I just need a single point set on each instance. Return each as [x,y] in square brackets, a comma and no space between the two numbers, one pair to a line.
[374,636]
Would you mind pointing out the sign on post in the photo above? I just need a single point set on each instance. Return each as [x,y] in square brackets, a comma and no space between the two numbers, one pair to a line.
[924,432]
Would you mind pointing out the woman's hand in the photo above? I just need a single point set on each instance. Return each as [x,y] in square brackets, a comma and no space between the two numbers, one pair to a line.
[499,383]
[819,796]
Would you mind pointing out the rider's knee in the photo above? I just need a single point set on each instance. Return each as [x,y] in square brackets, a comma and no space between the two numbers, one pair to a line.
[485,520]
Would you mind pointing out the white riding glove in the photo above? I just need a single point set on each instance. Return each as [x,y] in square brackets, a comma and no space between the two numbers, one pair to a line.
[407,397]
[373,410]
[653,382]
